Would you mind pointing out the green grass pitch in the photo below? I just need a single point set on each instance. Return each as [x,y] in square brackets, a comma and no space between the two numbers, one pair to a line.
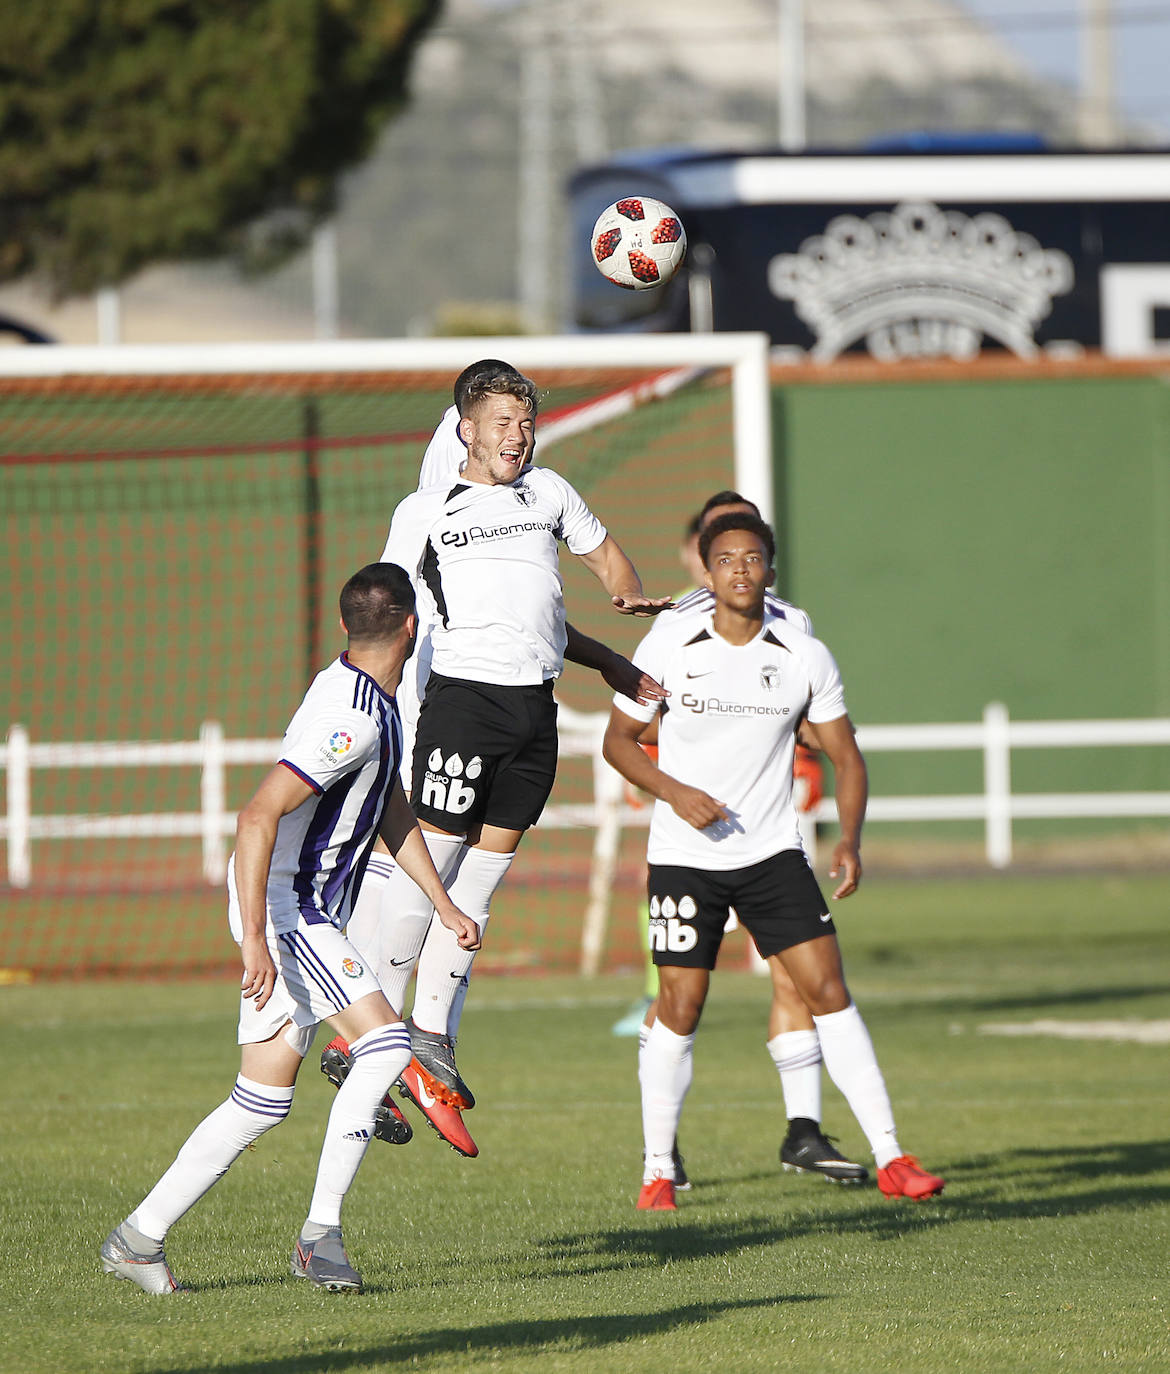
[1048,1250]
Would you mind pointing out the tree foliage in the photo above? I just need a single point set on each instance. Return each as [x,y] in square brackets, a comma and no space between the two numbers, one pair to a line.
[134,131]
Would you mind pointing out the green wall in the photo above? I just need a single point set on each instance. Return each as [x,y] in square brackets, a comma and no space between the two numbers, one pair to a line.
[970,541]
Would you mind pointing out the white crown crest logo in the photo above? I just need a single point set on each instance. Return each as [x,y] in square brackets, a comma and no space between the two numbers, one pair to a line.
[974,275]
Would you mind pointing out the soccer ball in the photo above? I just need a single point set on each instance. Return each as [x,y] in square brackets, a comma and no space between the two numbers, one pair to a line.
[638,243]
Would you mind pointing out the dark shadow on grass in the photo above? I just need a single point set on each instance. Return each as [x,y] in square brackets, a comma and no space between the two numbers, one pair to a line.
[1044,1165]
[1034,1001]
[979,1188]
[499,1339]
[669,1240]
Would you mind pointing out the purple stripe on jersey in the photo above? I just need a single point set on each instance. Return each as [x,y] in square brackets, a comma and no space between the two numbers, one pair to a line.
[312,969]
[352,855]
[304,777]
[373,691]
[314,845]
[261,1106]
[697,597]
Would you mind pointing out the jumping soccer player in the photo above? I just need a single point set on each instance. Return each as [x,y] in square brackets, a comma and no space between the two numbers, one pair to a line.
[391,924]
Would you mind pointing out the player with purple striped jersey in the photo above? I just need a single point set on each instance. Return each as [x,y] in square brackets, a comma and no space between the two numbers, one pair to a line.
[301,846]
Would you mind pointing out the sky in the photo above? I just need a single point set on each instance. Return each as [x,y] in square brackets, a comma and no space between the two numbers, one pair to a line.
[1045,33]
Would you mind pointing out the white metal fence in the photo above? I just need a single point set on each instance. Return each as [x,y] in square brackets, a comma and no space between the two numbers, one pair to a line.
[996,736]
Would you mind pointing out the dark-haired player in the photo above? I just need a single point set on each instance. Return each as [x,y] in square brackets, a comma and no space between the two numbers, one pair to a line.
[301,847]
[724,833]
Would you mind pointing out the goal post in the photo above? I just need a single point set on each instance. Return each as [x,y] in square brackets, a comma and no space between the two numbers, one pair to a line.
[744,354]
[177,521]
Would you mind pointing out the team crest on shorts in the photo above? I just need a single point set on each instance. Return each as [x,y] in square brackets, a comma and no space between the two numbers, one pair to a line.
[351,968]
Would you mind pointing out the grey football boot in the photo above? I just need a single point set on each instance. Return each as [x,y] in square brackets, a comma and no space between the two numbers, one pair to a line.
[434,1058]
[325,1264]
[127,1254]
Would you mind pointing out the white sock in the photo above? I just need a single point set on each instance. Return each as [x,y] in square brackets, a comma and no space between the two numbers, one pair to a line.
[665,1070]
[797,1056]
[442,965]
[455,1015]
[395,927]
[209,1152]
[379,1057]
[853,1067]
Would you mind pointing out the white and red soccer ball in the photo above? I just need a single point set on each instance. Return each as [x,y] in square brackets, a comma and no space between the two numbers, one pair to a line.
[638,242]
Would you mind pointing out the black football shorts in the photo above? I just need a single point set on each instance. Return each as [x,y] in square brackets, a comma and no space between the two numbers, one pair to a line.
[483,753]
[777,901]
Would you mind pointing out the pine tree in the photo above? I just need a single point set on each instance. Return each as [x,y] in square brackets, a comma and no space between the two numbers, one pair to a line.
[138,131]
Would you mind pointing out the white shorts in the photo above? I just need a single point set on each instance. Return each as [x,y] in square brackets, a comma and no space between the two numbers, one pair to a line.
[318,974]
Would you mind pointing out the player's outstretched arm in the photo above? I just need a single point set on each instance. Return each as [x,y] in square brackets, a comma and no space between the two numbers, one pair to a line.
[851,786]
[281,792]
[622,751]
[404,840]
[620,579]
[618,672]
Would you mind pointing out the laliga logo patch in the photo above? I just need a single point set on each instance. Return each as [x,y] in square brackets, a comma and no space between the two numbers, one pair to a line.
[351,968]
[770,677]
[339,743]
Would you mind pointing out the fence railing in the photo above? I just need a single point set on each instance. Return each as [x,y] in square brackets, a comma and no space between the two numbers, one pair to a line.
[996,736]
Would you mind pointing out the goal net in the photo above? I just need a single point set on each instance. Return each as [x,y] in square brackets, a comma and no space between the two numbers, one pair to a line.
[177,524]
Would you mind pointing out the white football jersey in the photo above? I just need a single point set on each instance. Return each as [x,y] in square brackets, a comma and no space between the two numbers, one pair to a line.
[441,463]
[345,741]
[730,729]
[487,555]
[701,601]
[445,453]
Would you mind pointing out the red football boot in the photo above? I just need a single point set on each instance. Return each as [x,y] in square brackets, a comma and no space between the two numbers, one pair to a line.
[657,1196]
[902,1177]
[445,1121]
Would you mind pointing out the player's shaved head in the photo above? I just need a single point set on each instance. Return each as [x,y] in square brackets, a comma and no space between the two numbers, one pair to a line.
[732,522]
[375,602]
[491,377]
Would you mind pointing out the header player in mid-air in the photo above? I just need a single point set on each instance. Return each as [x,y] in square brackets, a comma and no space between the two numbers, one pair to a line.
[481,542]
[724,833]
